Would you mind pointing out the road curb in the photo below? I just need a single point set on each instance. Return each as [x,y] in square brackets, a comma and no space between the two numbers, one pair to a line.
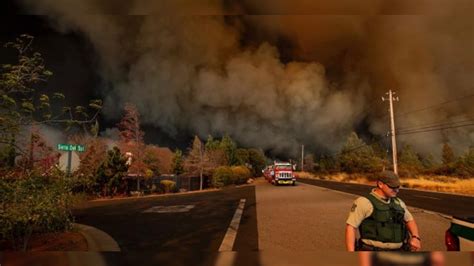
[97,240]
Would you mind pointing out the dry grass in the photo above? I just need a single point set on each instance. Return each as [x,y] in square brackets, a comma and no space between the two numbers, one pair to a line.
[442,184]
[433,183]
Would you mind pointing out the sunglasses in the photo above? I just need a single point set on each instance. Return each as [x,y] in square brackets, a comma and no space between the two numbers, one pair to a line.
[397,187]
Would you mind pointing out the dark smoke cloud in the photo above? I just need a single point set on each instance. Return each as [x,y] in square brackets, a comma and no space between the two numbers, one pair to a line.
[187,67]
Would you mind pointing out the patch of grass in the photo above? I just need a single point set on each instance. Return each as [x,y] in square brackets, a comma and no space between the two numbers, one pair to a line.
[433,183]
[441,184]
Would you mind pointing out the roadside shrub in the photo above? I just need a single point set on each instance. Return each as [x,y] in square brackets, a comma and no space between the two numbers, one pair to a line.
[240,174]
[33,205]
[168,186]
[222,176]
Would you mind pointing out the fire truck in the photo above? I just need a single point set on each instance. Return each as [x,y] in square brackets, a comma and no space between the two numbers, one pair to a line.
[280,173]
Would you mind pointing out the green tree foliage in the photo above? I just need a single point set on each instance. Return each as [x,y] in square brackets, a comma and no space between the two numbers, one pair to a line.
[222,176]
[447,155]
[211,143]
[111,173]
[151,161]
[380,152]
[409,162]
[428,162]
[327,164]
[22,106]
[31,205]
[242,156]
[465,164]
[229,147]
[357,156]
[240,174]
[214,152]
[257,161]
[448,160]
[178,162]
[93,157]
[230,175]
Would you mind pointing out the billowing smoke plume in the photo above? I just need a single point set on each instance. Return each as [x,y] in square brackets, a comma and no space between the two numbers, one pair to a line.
[279,81]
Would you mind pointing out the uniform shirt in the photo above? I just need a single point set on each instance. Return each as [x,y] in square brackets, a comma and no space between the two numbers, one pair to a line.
[362,209]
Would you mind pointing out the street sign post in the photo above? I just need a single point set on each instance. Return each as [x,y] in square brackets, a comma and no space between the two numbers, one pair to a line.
[70,148]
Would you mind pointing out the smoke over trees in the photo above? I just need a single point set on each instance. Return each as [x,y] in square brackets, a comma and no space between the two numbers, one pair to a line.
[279,81]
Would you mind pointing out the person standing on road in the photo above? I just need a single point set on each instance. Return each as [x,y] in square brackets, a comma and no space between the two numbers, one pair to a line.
[382,219]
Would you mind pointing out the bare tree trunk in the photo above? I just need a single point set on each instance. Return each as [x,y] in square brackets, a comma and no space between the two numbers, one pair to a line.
[200,179]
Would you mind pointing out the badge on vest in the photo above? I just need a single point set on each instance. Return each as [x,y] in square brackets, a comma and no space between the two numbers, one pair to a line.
[354,206]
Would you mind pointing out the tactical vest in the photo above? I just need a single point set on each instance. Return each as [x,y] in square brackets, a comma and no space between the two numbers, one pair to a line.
[386,223]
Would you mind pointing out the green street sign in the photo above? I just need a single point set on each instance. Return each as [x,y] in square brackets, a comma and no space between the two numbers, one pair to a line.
[71,147]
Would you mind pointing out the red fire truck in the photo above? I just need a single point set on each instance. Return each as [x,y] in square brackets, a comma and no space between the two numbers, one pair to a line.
[280,173]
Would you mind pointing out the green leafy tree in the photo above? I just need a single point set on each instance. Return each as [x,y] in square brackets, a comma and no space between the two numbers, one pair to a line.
[96,152]
[229,147]
[327,164]
[211,143]
[409,161]
[240,174]
[152,161]
[215,153]
[111,173]
[465,164]
[178,162]
[448,159]
[357,156]
[33,204]
[447,155]
[257,161]
[222,176]
[242,156]
[428,162]
[22,106]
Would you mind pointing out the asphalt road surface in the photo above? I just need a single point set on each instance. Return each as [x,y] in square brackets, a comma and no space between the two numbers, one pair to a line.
[280,225]
[191,237]
[312,218]
[449,204]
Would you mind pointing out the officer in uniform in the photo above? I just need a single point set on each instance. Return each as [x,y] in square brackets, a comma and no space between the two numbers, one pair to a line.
[382,219]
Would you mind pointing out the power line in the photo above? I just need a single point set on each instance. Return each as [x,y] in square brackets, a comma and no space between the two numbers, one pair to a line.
[428,107]
[434,125]
[363,145]
[446,120]
[436,105]
[434,129]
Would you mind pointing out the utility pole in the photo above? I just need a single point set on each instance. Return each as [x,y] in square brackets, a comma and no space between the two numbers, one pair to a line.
[302,158]
[392,129]
[201,166]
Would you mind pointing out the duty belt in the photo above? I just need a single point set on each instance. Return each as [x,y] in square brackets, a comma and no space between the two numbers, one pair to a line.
[361,246]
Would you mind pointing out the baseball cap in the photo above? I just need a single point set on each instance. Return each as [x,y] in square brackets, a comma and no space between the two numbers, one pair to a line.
[389,178]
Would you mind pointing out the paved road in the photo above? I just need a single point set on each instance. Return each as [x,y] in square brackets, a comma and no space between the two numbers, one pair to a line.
[311,218]
[191,237]
[448,204]
[298,225]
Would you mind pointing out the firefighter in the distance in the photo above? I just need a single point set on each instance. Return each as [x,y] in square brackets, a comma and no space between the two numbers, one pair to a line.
[382,219]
